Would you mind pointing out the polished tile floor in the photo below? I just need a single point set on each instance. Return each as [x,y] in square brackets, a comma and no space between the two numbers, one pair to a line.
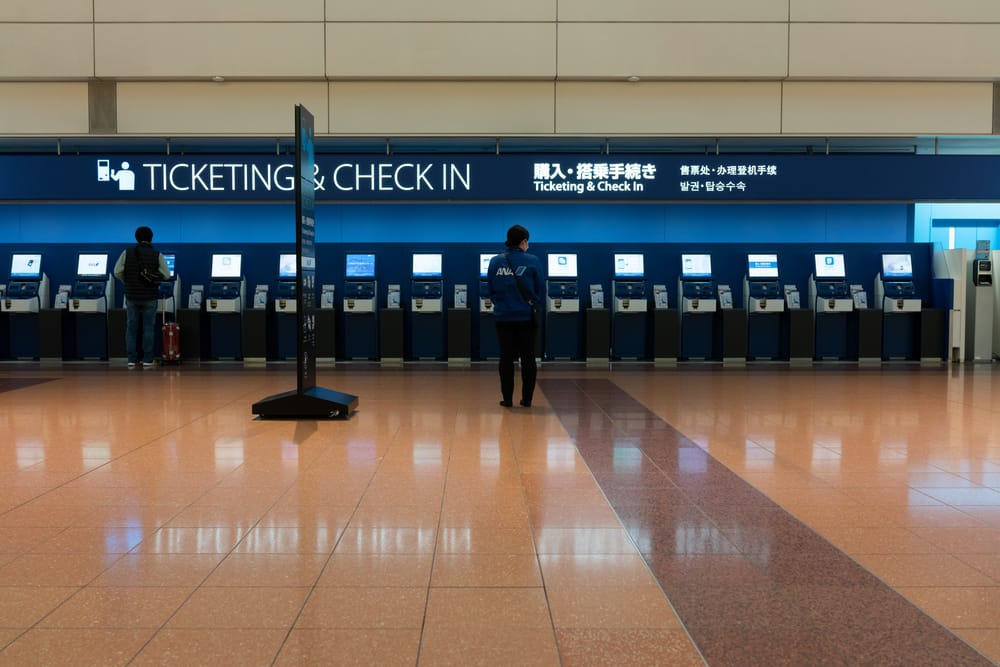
[832,515]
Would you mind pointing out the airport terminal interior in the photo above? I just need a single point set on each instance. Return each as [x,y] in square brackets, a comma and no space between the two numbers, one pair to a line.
[764,430]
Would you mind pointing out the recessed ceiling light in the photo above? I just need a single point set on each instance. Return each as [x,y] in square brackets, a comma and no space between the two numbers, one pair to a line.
[633,78]
[218,79]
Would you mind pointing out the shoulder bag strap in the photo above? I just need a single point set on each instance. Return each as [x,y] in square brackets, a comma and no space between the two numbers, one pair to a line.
[525,294]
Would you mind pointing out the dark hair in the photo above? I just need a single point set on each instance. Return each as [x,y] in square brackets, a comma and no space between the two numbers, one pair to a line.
[144,234]
[515,235]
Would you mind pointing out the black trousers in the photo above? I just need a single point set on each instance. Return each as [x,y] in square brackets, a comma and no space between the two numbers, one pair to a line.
[517,341]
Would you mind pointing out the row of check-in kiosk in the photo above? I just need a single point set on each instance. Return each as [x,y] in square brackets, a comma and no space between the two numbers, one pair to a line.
[638,321]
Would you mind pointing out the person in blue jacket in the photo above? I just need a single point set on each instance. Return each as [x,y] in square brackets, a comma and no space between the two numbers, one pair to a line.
[514,309]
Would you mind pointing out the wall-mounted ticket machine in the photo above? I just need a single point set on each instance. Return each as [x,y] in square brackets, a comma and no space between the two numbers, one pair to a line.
[427,306]
[227,289]
[628,306]
[28,288]
[764,302]
[831,301]
[285,298]
[696,296]
[169,294]
[562,308]
[895,291]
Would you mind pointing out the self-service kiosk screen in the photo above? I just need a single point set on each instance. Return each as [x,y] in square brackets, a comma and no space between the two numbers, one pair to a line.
[696,266]
[25,265]
[92,265]
[629,265]
[171,260]
[286,265]
[564,265]
[427,265]
[762,266]
[227,266]
[360,265]
[484,263]
[830,265]
[897,266]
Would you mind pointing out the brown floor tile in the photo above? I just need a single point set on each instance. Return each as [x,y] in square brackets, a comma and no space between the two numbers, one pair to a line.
[365,570]
[118,608]
[582,541]
[387,541]
[568,571]
[485,541]
[360,647]
[487,608]
[289,540]
[252,570]
[485,570]
[626,647]
[488,646]
[940,570]
[372,608]
[74,569]
[611,607]
[71,646]
[207,540]
[159,570]
[237,608]
[211,647]
[23,606]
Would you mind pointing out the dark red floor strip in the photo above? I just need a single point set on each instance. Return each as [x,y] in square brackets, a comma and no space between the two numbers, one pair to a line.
[752,584]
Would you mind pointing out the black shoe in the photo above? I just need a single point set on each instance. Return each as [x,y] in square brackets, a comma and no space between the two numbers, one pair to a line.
[525,404]
[506,404]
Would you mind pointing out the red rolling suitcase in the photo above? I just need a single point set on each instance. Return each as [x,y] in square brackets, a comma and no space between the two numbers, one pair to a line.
[171,343]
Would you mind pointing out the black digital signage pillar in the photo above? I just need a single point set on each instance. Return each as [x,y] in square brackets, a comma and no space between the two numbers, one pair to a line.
[307,401]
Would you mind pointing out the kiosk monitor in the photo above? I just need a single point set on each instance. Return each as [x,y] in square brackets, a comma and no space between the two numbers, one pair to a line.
[830,265]
[898,266]
[484,263]
[696,266]
[563,265]
[427,265]
[227,266]
[360,265]
[629,265]
[92,265]
[171,260]
[286,265]
[25,266]
[762,265]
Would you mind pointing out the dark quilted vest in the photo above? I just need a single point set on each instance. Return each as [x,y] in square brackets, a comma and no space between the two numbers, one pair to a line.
[142,255]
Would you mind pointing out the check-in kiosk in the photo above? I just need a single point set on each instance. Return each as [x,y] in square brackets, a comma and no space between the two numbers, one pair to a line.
[285,307]
[979,307]
[562,308]
[225,303]
[696,296]
[764,303]
[628,307]
[427,333]
[489,348]
[169,295]
[831,301]
[27,293]
[91,297]
[896,294]
[360,303]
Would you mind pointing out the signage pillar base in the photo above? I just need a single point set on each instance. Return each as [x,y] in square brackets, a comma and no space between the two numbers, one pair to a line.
[313,403]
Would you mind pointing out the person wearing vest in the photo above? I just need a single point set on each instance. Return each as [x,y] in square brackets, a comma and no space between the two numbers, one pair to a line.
[516,288]
[140,293]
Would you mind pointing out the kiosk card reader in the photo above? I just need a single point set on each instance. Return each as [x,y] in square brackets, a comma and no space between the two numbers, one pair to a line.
[694,286]
[828,288]
[170,289]
[982,272]
[285,298]
[94,289]
[562,290]
[360,284]
[226,292]
[426,286]
[28,288]
[762,291]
